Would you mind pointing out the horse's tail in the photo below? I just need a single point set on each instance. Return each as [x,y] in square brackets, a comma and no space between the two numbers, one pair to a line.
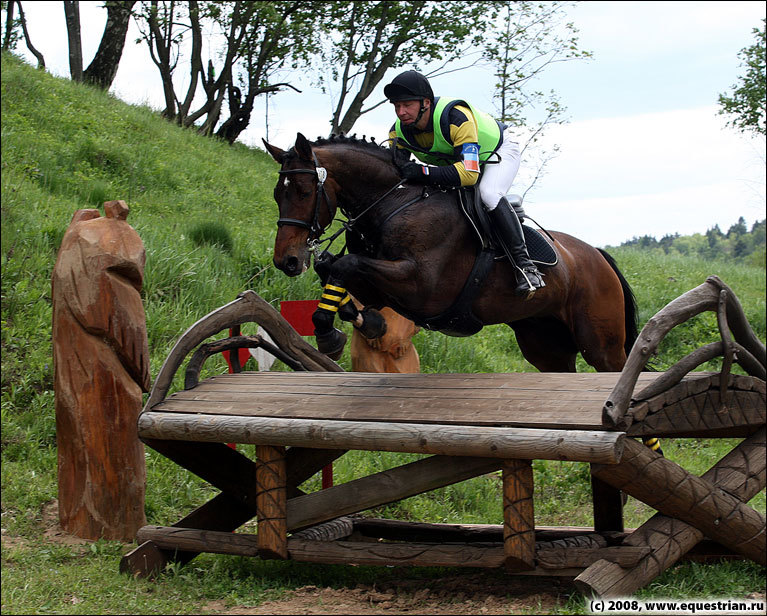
[629,304]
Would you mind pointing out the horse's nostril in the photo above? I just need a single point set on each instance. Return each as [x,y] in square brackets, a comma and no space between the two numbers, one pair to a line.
[291,264]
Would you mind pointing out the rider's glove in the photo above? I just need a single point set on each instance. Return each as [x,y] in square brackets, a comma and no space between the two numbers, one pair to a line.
[322,264]
[415,173]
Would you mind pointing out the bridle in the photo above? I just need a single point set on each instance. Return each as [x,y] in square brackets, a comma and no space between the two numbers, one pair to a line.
[315,229]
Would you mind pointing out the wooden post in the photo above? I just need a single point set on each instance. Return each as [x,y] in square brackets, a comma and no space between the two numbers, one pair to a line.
[608,506]
[741,473]
[101,366]
[271,502]
[518,515]
[673,491]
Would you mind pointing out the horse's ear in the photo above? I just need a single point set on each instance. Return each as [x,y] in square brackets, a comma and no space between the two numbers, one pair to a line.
[303,147]
[277,153]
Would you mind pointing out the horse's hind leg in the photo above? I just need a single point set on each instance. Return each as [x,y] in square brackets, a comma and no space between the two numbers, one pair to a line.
[601,341]
[546,343]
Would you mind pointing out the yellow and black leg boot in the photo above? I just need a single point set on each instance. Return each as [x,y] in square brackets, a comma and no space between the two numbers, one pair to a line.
[330,340]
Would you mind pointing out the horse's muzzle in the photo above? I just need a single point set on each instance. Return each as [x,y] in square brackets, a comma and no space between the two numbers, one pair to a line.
[291,265]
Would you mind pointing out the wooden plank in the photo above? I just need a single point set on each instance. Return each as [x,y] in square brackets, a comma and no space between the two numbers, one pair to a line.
[518,515]
[531,413]
[384,487]
[525,443]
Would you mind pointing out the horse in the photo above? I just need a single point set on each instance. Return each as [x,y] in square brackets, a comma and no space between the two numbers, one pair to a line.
[413,249]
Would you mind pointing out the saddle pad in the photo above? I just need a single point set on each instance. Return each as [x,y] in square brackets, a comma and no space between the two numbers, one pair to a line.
[538,247]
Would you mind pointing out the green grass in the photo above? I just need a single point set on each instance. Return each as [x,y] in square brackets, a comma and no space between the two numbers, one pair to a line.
[208,230]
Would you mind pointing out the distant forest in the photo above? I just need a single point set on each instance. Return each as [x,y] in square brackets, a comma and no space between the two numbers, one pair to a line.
[738,243]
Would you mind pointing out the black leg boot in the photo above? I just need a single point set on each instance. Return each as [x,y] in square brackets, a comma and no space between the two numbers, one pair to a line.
[509,231]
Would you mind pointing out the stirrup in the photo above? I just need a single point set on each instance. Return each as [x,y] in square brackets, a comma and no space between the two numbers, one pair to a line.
[527,286]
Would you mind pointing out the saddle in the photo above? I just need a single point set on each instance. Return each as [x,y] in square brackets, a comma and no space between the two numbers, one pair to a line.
[459,319]
[539,249]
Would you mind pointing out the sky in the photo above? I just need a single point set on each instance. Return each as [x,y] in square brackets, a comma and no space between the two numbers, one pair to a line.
[644,151]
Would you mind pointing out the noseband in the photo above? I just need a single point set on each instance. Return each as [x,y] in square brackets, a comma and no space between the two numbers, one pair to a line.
[315,229]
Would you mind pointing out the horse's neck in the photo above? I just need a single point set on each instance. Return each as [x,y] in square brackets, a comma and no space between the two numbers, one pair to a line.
[362,179]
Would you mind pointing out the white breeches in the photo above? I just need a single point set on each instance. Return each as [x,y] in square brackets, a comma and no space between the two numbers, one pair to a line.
[497,178]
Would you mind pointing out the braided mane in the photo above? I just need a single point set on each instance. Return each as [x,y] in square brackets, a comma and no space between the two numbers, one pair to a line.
[377,149]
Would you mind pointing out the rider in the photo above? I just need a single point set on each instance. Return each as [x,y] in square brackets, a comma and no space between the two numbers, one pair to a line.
[454,137]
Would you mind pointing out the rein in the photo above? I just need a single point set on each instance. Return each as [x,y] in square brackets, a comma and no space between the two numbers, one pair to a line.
[315,229]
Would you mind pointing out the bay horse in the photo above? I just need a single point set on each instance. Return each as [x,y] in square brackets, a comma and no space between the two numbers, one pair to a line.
[412,248]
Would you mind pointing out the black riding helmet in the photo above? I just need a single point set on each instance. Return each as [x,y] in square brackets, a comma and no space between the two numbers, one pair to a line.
[409,86]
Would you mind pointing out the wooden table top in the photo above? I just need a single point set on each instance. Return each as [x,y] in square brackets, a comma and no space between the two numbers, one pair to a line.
[536,400]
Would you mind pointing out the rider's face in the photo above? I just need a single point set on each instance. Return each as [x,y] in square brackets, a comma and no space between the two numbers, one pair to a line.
[407,111]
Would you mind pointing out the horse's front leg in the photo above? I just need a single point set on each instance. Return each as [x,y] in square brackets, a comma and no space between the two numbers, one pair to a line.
[335,299]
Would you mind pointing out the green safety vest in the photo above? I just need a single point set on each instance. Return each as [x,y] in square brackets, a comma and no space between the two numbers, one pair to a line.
[488,128]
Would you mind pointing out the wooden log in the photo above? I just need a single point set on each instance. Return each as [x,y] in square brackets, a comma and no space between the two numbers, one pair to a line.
[396,554]
[670,489]
[329,531]
[704,416]
[101,367]
[518,515]
[430,532]
[546,444]
[248,307]
[703,298]
[741,473]
[572,557]
[271,502]
[384,487]
[224,512]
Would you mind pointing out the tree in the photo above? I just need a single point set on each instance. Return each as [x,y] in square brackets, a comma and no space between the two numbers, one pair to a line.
[12,25]
[526,42]
[746,104]
[11,35]
[103,68]
[72,17]
[277,32]
[530,37]
[366,39]
[255,40]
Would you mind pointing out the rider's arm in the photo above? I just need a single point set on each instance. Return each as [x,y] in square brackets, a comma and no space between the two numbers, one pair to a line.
[464,137]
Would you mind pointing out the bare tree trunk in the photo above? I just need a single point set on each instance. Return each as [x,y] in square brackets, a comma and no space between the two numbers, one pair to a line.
[103,68]
[30,46]
[72,16]
[8,37]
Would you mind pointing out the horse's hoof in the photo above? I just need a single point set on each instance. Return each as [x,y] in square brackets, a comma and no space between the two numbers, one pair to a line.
[373,323]
[331,343]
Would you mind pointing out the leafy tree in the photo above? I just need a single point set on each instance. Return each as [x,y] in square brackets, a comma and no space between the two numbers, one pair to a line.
[746,104]
[366,39]
[525,44]
[12,25]
[739,228]
[276,33]
[255,40]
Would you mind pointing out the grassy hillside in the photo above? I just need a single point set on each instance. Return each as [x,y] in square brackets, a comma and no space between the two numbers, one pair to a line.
[207,218]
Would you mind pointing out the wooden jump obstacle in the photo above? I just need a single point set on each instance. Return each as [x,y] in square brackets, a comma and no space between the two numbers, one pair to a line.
[469,424]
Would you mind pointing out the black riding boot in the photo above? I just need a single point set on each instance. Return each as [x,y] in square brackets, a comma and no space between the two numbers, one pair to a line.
[509,231]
